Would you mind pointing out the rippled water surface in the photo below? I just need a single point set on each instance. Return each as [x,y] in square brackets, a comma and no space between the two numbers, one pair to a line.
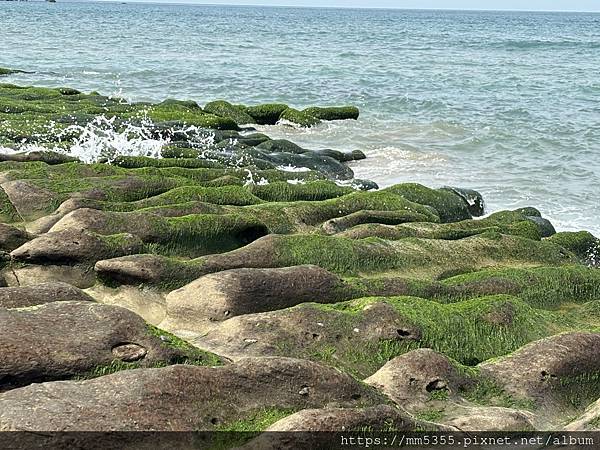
[506,103]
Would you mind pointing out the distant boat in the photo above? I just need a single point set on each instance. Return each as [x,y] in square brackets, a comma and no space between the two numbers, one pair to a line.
[51,1]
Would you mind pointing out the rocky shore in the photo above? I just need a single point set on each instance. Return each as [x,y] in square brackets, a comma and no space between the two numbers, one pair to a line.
[219,287]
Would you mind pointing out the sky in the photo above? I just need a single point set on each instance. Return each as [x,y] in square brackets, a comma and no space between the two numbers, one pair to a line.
[541,5]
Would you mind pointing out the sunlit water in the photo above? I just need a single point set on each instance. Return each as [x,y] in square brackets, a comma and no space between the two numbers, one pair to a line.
[505,103]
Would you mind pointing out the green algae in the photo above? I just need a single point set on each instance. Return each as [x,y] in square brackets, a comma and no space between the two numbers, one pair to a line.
[225,109]
[541,287]
[489,393]
[267,114]
[333,112]
[469,332]
[299,118]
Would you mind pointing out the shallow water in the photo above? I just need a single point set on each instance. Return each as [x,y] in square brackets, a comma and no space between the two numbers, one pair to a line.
[505,103]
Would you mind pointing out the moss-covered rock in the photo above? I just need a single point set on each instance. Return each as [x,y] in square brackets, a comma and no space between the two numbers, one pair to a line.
[267,114]
[333,112]
[584,244]
[226,109]
[449,206]
[299,118]
[360,336]
[446,231]
[420,258]
[5,71]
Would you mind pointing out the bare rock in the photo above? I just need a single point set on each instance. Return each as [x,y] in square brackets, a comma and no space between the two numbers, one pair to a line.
[12,237]
[29,200]
[75,246]
[21,297]
[412,378]
[62,339]
[284,433]
[491,419]
[180,397]
[81,276]
[223,295]
[588,421]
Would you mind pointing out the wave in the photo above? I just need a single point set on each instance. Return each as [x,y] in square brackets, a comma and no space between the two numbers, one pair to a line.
[527,44]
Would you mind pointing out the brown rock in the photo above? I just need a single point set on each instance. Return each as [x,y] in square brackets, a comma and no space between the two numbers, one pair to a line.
[62,339]
[12,237]
[546,370]
[411,379]
[180,397]
[223,295]
[75,246]
[21,297]
[29,200]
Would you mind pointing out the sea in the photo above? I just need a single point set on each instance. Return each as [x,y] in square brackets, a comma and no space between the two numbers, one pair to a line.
[507,103]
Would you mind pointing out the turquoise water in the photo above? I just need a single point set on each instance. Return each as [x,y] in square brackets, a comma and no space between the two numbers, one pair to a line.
[506,103]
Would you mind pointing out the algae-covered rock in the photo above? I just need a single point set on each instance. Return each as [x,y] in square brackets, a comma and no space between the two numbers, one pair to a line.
[299,118]
[333,112]
[5,71]
[360,336]
[281,145]
[267,114]
[28,199]
[226,109]
[449,206]
[545,227]
[584,244]
[472,198]
[417,257]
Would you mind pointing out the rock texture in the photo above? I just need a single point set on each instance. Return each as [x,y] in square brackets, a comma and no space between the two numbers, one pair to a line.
[179,398]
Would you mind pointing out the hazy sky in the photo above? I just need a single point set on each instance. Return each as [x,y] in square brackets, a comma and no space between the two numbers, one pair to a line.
[560,5]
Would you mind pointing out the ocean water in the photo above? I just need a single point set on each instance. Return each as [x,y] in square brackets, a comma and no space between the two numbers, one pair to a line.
[507,103]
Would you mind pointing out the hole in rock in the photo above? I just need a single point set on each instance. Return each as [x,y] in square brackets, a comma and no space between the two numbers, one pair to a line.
[356,396]
[251,234]
[437,385]
[129,352]
[214,421]
[472,362]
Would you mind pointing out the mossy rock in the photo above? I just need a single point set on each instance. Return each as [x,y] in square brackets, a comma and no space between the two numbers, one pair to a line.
[446,231]
[226,109]
[312,191]
[425,259]
[584,244]
[361,335]
[5,71]
[267,114]
[449,206]
[541,287]
[299,118]
[333,112]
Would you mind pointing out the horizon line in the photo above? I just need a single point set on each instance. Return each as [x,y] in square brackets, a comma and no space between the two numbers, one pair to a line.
[332,7]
